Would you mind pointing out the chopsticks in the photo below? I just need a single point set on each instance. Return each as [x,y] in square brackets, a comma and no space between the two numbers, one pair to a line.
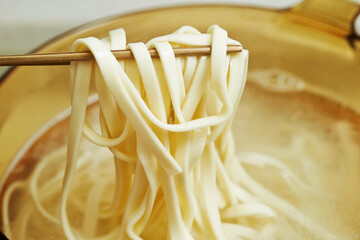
[66,58]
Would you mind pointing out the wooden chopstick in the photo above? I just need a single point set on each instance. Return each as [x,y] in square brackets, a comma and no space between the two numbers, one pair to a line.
[66,58]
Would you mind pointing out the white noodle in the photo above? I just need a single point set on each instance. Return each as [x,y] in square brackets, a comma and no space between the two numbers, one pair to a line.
[167,123]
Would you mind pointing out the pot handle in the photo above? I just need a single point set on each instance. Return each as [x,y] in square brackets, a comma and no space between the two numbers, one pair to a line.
[339,16]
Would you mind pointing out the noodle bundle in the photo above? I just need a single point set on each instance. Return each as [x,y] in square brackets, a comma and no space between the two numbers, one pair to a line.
[167,123]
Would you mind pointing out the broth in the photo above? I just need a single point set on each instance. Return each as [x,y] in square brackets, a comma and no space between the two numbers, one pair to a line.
[316,138]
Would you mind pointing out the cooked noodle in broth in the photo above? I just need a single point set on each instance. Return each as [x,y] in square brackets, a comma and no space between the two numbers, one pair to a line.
[166,164]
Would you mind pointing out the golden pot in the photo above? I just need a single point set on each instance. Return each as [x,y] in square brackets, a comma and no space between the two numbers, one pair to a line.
[314,41]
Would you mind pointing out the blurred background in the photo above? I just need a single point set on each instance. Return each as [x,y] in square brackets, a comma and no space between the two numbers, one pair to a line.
[25,25]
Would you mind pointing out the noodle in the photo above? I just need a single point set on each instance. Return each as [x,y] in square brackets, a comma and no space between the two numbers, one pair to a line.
[167,125]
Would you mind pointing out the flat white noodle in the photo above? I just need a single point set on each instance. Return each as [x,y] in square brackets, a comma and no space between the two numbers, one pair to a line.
[167,123]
